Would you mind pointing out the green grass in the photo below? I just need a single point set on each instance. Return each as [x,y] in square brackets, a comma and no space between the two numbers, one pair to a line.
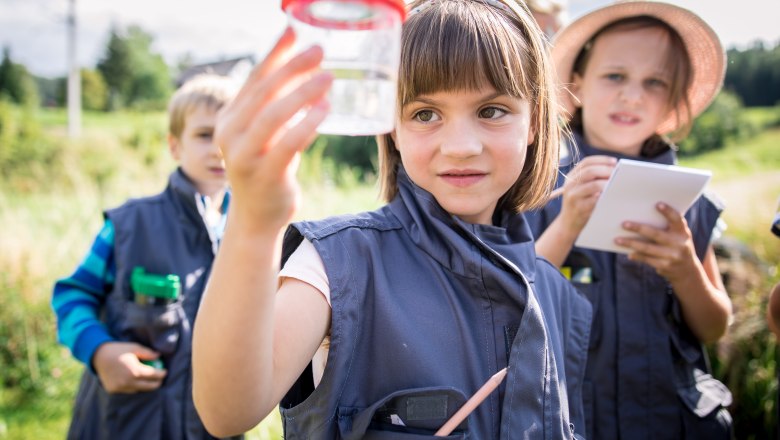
[747,177]
[762,116]
[756,155]
[123,155]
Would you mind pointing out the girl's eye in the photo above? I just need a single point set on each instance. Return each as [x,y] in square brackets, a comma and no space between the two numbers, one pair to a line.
[425,116]
[204,135]
[615,76]
[491,113]
[653,82]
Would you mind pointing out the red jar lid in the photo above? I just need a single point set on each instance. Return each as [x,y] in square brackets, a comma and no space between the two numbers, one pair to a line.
[398,5]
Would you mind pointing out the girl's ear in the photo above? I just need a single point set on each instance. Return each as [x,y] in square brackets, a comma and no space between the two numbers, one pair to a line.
[392,136]
[173,146]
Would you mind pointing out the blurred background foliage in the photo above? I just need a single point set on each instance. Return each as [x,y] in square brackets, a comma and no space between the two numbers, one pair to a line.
[53,189]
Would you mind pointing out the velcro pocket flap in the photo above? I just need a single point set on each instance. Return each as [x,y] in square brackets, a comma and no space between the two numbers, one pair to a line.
[705,395]
[424,409]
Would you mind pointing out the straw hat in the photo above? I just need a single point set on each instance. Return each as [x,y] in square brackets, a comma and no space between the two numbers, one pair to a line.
[708,60]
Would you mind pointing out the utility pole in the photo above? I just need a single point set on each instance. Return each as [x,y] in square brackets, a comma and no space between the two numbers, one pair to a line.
[74,76]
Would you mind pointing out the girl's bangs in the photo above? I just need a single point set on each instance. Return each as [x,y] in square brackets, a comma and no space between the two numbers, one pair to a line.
[461,46]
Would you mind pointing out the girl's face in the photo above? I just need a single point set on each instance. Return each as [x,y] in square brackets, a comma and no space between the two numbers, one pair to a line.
[467,148]
[624,91]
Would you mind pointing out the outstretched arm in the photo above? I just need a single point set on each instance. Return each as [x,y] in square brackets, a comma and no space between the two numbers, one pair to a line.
[251,342]
[698,285]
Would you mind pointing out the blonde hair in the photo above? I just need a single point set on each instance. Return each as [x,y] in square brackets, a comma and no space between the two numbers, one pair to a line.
[469,44]
[209,90]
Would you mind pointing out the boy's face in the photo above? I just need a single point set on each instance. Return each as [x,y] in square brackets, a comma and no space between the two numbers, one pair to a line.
[196,153]
[624,91]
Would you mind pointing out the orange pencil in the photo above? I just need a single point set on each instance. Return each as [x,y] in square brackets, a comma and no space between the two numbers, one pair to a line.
[471,404]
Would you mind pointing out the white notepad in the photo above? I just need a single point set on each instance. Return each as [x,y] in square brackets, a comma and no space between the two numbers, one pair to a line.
[631,194]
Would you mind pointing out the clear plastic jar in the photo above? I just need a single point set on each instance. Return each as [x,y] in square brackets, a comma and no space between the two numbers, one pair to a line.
[361,40]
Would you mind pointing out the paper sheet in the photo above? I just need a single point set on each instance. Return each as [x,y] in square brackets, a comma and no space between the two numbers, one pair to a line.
[631,194]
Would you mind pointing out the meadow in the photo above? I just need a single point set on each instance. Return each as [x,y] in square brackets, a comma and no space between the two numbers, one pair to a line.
[50,209]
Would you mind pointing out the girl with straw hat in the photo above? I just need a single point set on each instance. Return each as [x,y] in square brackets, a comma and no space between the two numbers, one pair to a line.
[633,76]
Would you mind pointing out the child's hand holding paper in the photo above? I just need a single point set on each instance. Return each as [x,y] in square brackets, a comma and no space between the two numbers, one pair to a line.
[632,194]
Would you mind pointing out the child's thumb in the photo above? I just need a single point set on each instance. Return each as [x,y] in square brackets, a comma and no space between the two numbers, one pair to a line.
[145,353]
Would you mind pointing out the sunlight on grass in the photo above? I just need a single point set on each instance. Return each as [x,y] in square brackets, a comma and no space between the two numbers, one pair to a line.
[268,429]
[123,155]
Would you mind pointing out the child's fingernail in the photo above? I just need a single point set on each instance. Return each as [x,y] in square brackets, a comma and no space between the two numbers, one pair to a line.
[662,205]
[628,225]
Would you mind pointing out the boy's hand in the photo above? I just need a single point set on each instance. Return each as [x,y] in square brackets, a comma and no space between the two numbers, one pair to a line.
[670,251]
[119,367]
[260,145]
[583,186]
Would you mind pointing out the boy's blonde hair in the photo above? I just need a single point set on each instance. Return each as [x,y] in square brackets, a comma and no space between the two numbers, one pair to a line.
[470,44]
[209,90]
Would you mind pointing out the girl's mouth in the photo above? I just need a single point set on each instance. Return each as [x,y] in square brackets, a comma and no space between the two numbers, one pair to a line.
[462,178]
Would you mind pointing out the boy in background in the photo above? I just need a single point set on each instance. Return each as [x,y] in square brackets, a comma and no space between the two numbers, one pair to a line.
[128,309]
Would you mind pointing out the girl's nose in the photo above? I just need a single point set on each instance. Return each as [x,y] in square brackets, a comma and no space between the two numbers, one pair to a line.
[631,93]
[461,141]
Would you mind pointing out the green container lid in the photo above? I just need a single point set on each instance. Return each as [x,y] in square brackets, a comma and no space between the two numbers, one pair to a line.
[158,286]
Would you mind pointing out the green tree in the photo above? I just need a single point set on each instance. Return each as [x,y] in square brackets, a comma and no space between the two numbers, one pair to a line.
[94,91]
[754,75]
[722,121]
[116,66]
[16,82]
[52,91]
[136,76]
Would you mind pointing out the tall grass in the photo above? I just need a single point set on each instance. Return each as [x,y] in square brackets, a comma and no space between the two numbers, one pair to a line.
[747,177]
[48,226]
[50,217]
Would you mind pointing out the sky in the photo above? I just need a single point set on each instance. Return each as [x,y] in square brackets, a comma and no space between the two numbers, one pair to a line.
[211,30]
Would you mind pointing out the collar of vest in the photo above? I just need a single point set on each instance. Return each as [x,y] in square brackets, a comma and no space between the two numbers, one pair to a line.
[666,157]
[185,193]
[455,243]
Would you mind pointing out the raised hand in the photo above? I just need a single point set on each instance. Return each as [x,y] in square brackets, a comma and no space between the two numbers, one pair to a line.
[260,144]
[697,284]
[669,251]
[119,367]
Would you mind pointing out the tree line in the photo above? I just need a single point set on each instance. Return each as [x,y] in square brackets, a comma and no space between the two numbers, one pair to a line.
[131,74]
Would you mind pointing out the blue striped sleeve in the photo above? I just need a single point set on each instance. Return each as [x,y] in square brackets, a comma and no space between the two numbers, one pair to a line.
[77,300]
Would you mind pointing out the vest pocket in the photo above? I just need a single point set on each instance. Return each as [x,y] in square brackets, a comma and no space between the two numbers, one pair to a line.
[135,416]
[591,292]
[704,411]
[154,326]
[407,414]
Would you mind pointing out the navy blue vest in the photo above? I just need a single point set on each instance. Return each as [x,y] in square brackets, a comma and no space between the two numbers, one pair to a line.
[647,375]
[426,308]
[164,234]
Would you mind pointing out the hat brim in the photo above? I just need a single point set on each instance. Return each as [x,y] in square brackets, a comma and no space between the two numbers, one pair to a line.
[708,59]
